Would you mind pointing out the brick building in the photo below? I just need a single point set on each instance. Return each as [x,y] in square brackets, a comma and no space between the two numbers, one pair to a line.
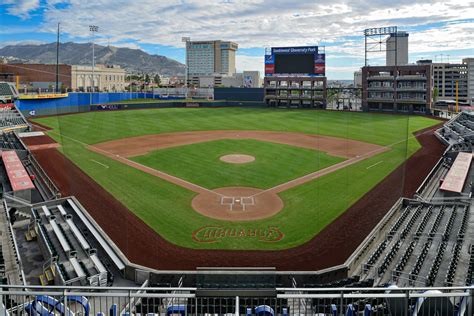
[38,73]
[407,88]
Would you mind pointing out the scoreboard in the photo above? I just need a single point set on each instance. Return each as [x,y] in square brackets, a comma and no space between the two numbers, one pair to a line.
[295,61]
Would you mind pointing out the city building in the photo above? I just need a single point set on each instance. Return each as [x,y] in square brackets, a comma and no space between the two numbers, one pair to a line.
[38,76]
[204,58]
[246,79]
[397,88]
[469,62]
[71,78]
[451,80]
[397,49]
[358,79]
[106,78]
[446,76]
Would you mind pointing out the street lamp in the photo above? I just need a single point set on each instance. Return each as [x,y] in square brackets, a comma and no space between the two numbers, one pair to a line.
[186,40]
[93,29]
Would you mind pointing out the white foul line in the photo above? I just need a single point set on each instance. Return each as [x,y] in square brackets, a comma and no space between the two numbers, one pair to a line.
[374,164]
[103,165]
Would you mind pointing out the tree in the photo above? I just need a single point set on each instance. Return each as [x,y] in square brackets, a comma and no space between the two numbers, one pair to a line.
[157,79]
[435,94]
[147,78]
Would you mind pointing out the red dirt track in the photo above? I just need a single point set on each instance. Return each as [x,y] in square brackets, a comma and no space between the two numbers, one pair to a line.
[330,247]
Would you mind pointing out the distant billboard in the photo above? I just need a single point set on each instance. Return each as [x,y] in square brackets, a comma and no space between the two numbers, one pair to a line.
[292,61]
[248,81]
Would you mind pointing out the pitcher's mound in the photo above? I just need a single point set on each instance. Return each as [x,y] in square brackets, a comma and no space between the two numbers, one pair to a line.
[237,158]
[237,204]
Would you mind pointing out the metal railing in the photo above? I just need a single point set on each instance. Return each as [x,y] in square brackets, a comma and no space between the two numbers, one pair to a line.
[55,300]
[53,189]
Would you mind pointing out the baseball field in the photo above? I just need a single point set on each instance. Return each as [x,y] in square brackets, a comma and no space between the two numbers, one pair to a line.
[236,178]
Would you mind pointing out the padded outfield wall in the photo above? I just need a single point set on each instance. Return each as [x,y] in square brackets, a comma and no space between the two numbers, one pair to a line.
[239,94]
[81,102]
[75,102]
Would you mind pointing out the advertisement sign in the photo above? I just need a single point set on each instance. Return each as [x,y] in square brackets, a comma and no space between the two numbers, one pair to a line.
[248,81]
[43,96]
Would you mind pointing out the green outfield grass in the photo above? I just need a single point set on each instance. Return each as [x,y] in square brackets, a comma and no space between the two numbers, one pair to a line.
[164,206]
[274,163]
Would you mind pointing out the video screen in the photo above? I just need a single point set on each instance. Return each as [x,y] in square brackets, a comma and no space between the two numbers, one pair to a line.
[294,63]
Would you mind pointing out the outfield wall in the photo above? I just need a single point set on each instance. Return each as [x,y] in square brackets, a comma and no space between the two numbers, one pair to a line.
[80,102]
[75,102]
[161,104]
[239,94]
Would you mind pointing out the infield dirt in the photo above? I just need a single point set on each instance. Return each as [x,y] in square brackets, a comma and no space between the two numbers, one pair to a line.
[141,145]
[212,203]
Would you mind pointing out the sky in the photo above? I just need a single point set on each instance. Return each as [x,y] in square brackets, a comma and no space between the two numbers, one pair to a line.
[439,30]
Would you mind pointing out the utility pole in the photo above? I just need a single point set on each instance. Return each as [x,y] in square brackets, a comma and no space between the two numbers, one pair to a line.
[186,40]
[57,62]
[457,96]
[93,29]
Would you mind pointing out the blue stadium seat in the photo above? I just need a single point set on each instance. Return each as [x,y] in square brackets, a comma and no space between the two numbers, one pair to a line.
[350,310]
[264,310]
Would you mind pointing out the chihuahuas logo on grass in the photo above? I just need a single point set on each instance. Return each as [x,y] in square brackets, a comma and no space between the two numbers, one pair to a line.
[210,234]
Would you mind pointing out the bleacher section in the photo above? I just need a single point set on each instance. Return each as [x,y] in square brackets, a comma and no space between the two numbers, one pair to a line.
[67,246]
[8,93]
[458,132]
[422,247]
[9,141]
[12,119]
[424,242]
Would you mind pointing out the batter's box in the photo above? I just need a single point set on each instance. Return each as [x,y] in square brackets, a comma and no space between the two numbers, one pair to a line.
[247,200]
[226,200]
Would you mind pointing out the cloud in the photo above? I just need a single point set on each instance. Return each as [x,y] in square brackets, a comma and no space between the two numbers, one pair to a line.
[434,25]
[21,8]
[29,42]
[244,62]
[251,23]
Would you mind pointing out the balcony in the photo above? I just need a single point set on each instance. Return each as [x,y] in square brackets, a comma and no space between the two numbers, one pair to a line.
[294,96]
[412,100]
[411,77]
[380,88]
[412,88]
[380,77]
[381,99]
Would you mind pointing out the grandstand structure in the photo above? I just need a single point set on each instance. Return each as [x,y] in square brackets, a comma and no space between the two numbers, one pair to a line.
[60,230]
[10,117]
[427,241]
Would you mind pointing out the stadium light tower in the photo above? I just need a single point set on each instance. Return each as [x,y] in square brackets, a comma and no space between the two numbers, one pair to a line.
[186,40]
[93,29]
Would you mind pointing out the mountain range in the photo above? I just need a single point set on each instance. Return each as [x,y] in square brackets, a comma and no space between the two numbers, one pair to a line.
[134,61]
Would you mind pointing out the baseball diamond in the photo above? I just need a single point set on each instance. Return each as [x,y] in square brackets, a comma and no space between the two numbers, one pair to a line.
[163,166]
